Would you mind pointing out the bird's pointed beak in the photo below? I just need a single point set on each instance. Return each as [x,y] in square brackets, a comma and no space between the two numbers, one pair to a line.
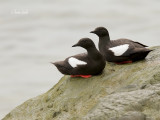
[75,45]
[52,63]
[92,32]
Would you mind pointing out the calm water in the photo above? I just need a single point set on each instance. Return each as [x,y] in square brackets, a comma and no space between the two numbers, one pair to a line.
[35,33]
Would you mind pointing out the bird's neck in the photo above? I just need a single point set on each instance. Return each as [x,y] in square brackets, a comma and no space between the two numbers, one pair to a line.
[103,41]
[93,52]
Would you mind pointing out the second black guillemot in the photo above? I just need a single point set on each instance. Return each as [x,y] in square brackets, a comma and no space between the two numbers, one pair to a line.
[119,51]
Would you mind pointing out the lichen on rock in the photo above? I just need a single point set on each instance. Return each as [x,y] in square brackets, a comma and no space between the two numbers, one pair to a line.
[121,92]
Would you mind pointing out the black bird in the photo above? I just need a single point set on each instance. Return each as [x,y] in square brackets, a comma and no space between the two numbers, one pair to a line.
[119,51]
[83,65]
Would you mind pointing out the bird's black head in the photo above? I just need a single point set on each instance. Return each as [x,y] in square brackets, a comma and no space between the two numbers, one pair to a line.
[85,43]
[100,31]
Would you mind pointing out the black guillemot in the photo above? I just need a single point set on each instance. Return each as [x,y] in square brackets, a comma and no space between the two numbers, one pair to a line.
[119,51]
[83,65]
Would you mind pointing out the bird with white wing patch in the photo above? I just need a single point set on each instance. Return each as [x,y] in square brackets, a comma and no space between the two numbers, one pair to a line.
[75,62]
[83,65]
[120,51]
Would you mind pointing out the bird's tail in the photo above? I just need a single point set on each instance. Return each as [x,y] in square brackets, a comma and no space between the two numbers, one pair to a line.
[60,66]
[140,55]
[56,63]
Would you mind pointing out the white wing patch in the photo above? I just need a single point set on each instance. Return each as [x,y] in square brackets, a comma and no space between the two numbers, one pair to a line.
[119,50]
[74,62]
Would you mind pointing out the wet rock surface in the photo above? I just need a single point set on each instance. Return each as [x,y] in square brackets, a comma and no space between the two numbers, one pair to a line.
[121,92]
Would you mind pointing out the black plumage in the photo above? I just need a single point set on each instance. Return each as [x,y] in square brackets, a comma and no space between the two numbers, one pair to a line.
[90,63]
[135,51]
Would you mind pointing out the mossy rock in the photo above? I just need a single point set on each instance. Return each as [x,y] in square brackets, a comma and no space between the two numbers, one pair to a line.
[121,91]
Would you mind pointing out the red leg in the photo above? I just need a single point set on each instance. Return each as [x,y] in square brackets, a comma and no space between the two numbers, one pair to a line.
[83,76]
[124,62]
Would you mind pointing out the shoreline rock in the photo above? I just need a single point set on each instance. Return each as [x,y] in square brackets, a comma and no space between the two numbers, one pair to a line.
[121,92]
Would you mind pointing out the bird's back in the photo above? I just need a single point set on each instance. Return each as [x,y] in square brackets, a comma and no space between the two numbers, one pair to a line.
[122,41]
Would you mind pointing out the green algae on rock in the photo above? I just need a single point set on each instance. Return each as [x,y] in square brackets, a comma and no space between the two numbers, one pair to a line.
[121,92]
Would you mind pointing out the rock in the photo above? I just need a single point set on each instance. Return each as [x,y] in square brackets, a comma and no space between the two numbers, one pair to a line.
[133,115]
[121,92]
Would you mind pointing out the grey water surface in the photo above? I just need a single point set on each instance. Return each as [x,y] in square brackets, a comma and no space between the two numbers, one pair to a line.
[34,33]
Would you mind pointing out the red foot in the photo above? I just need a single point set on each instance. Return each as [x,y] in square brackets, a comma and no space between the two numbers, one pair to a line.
[124,62]
[83,76]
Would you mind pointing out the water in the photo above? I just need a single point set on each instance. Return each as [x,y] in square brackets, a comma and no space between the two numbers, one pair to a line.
[35,33]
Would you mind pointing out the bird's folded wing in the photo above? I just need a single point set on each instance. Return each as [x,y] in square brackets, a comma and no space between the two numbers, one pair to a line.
[75,62]
[120,49]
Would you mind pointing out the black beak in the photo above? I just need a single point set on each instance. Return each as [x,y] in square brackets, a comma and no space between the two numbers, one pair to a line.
[75,45]
[93,32]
